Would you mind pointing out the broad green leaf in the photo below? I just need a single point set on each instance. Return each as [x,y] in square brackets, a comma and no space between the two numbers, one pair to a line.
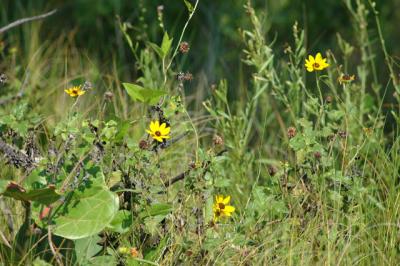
[122,222]
[152,96]
[87,213]
[44,196]
[87,247]
[166,45]
[138,93]
[134,91]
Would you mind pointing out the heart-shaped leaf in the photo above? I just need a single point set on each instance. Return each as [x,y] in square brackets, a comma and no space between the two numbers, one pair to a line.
[87,213]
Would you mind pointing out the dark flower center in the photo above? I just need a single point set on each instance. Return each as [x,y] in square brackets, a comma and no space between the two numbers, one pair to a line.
[221,206]
[158,133]
[316,65]
[75,91]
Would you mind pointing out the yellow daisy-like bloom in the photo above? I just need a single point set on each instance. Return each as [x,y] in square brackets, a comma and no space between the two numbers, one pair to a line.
[222,208]
[159,132]
[316,64]
[75,91]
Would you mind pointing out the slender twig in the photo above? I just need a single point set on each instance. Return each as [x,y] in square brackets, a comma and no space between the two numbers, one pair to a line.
[25,20]
[180,39]
[3,237]
[181,176]
[52,248]
[7,215]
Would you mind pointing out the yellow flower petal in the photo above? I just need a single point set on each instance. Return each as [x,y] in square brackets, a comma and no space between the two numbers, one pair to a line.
[226,200]
[311,59]
[318,58]
[219,199]
[165,131]
[152,127]
[229,209]
[159,139]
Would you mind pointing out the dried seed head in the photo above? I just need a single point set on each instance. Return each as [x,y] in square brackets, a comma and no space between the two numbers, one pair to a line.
[188,76]
[287,49]
[291,132]
[218,140]
[342,134]
[181,76]
[317,155]
[3,78]
[192,165]
[184,47]
[328,99]
[331,137]
[272,170]
[87,86]
[143,144]
[108,95]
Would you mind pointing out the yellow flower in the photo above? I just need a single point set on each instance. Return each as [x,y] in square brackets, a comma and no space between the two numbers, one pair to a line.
[346,78]
[75,91]
[317,63]
[221,207]
[159,132]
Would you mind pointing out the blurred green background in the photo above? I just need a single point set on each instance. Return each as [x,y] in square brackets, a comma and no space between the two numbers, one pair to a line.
[213,33]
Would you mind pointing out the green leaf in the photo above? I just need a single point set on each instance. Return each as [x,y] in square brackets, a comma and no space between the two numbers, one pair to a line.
[165,45]
[157,209]
[87,247]
[3,185]
[87,213]
[103,261]
[134,91]
[157,49]
[138,93]
[44,196]
[122,222]
[155,253]
[188,6]
[297,143]
[40,262]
